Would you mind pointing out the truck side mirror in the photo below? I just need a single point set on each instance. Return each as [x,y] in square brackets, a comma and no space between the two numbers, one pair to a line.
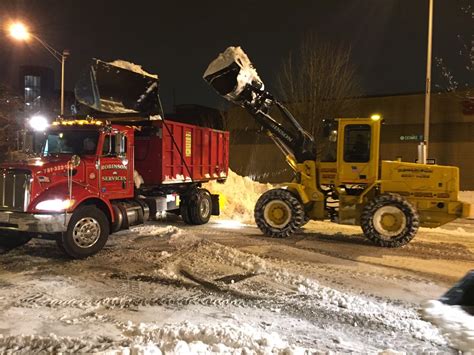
[121,145]
[75,161]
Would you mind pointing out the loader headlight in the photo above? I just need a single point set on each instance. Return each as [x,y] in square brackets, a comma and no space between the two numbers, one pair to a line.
[376,117]
[56,205]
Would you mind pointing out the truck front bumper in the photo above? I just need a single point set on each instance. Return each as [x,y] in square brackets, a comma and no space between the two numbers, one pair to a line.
[34,223]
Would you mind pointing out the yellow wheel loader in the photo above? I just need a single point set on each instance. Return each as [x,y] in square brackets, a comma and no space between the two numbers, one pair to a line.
[390,200]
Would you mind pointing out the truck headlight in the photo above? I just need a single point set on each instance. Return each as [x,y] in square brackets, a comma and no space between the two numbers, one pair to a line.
[56,205]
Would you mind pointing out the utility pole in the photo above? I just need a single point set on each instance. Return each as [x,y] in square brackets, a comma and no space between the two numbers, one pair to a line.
[64,55]
[426,133]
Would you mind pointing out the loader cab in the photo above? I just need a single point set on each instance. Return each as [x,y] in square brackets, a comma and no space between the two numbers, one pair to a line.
[353,156]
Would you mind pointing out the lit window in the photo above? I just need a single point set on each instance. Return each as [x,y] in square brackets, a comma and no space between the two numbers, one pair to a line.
[33,92]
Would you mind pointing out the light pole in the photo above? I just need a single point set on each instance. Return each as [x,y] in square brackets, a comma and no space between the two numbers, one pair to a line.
[426,131]
[19,32]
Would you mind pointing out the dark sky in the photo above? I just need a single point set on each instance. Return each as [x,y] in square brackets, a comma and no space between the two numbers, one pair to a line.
[177,39]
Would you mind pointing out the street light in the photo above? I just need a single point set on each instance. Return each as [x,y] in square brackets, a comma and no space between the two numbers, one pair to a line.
[20,32]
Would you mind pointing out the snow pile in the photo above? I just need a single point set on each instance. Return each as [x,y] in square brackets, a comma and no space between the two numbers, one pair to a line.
[132,67]
[467,196]
[157,231]
[238,196]
[230,256]
[356,309]
[187,338]
[247,74]
[455,324]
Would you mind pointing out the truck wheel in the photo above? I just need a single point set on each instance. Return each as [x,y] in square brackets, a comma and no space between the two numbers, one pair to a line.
[10,240]
[390,221]
[86,234]
[184,211]
[278,213]
[200,207]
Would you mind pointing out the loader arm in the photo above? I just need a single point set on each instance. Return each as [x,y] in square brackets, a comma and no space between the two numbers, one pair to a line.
[234,78]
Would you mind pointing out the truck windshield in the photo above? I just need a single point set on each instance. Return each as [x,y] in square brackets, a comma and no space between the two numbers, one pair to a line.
[70,142]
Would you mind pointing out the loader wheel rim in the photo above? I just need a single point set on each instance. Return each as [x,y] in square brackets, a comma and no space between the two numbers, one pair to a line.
[277,214]
[86,232]
[389,221]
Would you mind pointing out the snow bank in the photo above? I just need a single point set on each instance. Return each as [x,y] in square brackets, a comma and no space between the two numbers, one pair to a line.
[354,309]
[157,231]
[187,338]
[247,74]
[132,67]
[456,324]
[238,195]
[467,196]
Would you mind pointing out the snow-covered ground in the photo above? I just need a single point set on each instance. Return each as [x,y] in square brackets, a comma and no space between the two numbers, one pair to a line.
[208,289]
[224,288]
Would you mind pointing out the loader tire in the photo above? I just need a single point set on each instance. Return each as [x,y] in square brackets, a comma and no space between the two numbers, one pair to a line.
[87,233]
[200,207]
[278,213]
[390,221]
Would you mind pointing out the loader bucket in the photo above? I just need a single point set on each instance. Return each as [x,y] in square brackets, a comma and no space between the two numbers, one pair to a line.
[231,73]
[224,81]
[109,88]
[461,294]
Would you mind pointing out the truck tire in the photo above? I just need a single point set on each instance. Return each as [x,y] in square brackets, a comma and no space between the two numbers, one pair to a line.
[87,233]
[200,207]
[10,240]
[184,211]
[389,221]
[278,213]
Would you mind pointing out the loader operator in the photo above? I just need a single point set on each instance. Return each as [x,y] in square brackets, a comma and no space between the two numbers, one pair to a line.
[359,151]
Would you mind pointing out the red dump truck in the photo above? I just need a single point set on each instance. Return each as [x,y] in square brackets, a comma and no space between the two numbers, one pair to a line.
[95,176]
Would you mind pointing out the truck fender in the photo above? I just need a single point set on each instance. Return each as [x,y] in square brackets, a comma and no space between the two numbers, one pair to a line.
[102,204]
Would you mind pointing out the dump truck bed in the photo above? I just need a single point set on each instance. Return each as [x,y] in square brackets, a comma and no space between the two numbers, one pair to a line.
[168,152]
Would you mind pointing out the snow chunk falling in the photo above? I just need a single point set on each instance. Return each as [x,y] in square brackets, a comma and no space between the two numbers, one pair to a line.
[132,67]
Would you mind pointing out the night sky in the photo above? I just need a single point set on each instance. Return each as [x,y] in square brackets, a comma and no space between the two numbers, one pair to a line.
[177,39]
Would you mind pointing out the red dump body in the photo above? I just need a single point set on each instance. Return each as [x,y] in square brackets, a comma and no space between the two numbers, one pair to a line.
[171,152]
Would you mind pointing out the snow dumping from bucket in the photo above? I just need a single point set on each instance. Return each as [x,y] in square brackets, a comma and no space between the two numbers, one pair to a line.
[132,67]
[231,72]
[238,196]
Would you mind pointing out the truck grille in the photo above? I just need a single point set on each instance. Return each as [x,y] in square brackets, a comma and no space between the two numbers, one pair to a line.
[14,189]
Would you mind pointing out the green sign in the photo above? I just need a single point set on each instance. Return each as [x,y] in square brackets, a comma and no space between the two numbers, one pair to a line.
[412,138]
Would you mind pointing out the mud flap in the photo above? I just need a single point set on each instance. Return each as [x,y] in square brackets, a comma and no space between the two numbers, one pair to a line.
[462,293]
[112,89]
[215,211]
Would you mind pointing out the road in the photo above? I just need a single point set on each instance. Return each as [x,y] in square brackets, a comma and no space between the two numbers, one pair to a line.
[223,287]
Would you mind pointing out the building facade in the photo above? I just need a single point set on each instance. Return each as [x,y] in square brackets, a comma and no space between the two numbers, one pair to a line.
[451,135]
